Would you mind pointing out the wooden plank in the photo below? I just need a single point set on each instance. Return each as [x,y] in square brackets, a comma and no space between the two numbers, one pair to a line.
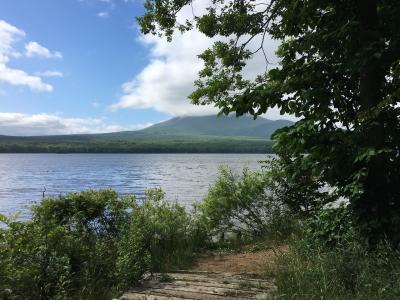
[187,294]
[202,286]
[239,286]
[222,291]
[216,278]
[142,296]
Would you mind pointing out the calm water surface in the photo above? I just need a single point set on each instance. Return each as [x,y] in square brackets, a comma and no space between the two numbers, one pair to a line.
[185,177]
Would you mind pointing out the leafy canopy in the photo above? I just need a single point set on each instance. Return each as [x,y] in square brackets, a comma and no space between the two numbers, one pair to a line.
[338,73]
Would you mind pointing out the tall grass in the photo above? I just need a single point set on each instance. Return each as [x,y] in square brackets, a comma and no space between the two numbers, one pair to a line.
[330,260]
[351,272]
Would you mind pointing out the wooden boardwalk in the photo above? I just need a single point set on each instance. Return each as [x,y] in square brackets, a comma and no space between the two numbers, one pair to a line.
[201,285]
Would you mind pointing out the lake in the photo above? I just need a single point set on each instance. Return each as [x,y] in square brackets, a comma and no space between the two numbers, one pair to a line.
[185,177]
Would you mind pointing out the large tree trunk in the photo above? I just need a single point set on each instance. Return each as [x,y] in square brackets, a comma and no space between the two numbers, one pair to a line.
[371,73]
[373,209]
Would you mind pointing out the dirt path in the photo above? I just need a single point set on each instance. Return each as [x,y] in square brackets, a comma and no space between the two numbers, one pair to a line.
[245,262]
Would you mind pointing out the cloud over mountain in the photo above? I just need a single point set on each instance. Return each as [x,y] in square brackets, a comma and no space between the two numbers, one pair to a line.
[168,78]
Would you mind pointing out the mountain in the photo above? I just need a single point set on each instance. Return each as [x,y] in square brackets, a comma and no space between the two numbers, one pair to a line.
[228,126]
[182,134]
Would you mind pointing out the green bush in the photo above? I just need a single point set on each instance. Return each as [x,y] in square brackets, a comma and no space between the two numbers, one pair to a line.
[163,232]
[67,249]
[90,245]
[304,193]
[331,227]
[244,206]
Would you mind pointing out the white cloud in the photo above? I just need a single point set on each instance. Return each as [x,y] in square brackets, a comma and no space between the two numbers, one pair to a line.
[35,49]
[51,124]
[103,14]
[19,77]
[16,54]
[167,80]
[50,73]
[9,34]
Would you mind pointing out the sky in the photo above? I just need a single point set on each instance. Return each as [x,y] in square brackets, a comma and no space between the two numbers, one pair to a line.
[82,66]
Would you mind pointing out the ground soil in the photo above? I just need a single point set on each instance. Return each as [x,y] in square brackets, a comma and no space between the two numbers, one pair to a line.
[241,262]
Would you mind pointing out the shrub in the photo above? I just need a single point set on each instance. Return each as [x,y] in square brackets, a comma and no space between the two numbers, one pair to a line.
[91,244]
[67,249]
[243,206]
[304,193]
[163,232]
[331,227]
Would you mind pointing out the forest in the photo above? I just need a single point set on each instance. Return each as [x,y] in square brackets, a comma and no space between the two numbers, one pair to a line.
[152,144]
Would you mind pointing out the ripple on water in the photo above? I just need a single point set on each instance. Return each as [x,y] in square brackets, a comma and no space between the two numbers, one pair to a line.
[184,177]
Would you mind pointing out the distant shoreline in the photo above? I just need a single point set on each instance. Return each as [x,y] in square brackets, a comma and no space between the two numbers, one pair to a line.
[172,145]
[137,153]
[38,152]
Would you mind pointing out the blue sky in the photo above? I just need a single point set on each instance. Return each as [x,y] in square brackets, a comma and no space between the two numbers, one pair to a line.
[74,66]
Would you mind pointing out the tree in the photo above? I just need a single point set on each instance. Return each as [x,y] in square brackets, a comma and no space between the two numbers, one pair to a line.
[338,73]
